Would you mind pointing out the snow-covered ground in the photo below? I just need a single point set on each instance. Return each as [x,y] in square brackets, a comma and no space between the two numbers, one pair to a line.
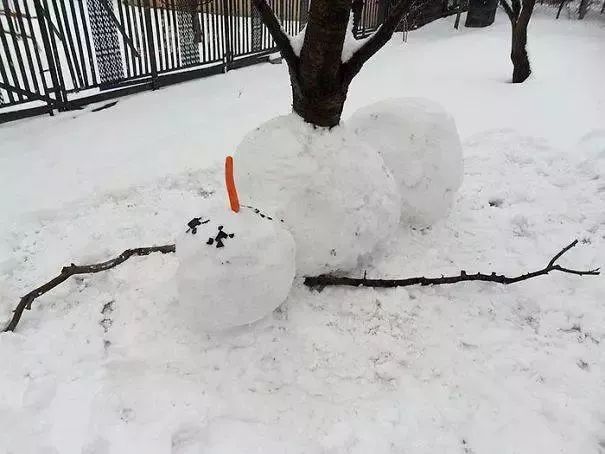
[101,365]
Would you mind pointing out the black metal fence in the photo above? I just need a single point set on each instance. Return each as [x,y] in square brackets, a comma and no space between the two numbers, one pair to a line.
[63,54]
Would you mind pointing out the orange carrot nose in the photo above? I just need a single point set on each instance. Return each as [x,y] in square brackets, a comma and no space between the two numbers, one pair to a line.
[233,200]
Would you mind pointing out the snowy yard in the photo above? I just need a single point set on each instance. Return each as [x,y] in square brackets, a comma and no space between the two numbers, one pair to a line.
[101,365]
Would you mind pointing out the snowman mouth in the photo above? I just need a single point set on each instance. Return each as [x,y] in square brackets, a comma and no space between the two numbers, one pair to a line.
[260,213]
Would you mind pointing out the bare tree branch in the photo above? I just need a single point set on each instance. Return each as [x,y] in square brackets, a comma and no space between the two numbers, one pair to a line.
[279,36]
[508,10]
[526,11]
[317,282]
[516,7]
[378,39]
[72,270]
[321,281]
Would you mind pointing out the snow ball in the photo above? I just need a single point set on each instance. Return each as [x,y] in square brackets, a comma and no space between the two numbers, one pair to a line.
[333,191]
[420,145]
[234,268]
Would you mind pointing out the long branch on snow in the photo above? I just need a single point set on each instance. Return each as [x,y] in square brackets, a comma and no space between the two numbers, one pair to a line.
[317,282]
[72,270]
[321,281]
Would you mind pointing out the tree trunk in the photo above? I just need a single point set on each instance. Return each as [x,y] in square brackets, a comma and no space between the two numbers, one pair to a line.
[518,55]
[319,90]
[583,9]
[319,78]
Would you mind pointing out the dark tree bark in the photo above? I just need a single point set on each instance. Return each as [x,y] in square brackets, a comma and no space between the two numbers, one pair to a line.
[519,12]
[321,92]
[320,79]
[357,8]
[583,9]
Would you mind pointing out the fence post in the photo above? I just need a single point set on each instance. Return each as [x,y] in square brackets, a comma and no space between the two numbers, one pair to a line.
[228,51]
[150,45]
[51,60]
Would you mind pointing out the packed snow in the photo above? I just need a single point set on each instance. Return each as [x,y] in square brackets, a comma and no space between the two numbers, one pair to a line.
[419,143]
[332,190]
[233,268]
[351,43]
[298,40]
[103,364]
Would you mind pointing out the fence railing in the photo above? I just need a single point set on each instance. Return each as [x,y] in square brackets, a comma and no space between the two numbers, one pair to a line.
[62,54]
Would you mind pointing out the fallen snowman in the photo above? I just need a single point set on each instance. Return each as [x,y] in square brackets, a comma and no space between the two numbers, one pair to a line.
[328,198]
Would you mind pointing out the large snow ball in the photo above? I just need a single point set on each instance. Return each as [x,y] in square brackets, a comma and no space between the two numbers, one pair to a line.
[334,192]
[419,143]
[234,268]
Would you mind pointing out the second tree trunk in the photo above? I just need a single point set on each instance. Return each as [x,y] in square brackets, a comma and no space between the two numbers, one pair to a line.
[518,55]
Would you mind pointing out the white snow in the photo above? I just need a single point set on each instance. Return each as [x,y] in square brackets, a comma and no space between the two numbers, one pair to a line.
[297,41]
[101,365]
[419,143]
[351,44]
[333,191]
[232,281]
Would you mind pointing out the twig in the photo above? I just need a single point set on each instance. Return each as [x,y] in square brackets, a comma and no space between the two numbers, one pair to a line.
[316,282]
[72,270]
[321,281]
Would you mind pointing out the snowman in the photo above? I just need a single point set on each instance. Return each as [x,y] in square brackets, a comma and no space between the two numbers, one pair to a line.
[236,264]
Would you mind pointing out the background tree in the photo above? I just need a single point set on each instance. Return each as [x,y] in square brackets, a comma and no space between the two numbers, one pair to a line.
[519,12]
[320,79]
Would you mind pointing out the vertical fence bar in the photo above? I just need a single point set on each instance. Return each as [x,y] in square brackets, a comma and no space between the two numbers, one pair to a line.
[175,34]
[131,21]
[3,73]
[173,37]
[91,62]
[201,20]
[26,39]
[35,46]
[17,49]
[72,48]
[136,40]
[10,64]
[227,41]
[165,39]
[144,42]
[128,28]
[158,49]
[215,31]
[79,42]
[50,51]
[63,34]
[150,45]
[124,43]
